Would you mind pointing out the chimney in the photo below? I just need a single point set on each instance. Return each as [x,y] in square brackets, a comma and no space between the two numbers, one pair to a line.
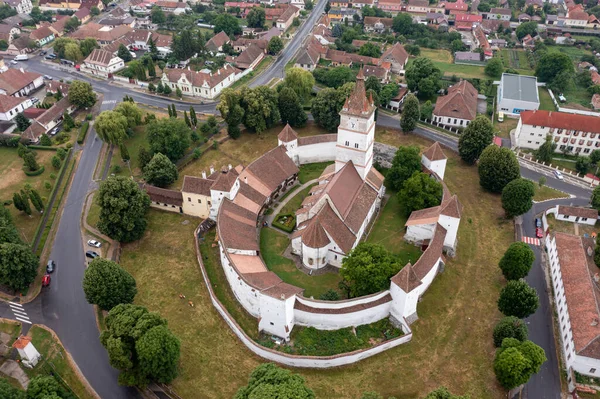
[203,174]
[212,169]
[246,179]
[224,169]
[218,71]
[229,166]
[21,69]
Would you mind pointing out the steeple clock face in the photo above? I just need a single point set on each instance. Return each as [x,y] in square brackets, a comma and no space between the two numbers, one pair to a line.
[352,123]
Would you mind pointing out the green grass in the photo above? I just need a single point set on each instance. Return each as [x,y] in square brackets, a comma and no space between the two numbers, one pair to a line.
[311,171]
[93,215]
[573,52]
[11,328]
[388,231]
[272,246]
[257,71]
[546,102]
[545,193]
[55,360]
[294,204]
[133,144]
[516,59]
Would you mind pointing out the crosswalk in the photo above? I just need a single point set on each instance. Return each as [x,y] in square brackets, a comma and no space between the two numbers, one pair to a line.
[531,240]
[109,102]
[19,312]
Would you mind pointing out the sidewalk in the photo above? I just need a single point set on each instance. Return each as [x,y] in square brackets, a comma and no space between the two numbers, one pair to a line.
[269,218]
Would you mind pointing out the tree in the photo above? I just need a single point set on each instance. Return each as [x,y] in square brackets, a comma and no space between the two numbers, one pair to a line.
[370,50]
[334,77]
[7,391]
[327,7]
[406,162]
[111,127]
[157,16]
[45,140]
[170,137]
[231,111]
[545,152]
[94,11]
[423,76]
[526,28]
[81,94]
[8,230]
[290,109]
[143,157]
[30,162]
[330,295]
[554,68]
[186,119]
[131,112]
[517,197]
[326,108]
[518,299]
[123,207]
[300,81]
[140,345]
[167,90]
[46,387]
[443,393]
[22,122]
[275,45]
[18,202]
[60,44]
[256,17]
[517,261]
[457,45]
[261,108]
[517,361]
[494,67]
[160,171]
[510,327]
[498,166]
[410,114]
[18,266]
[124,53]
[72,24]
[308,5]
[372,83]
[420,191]
[268,381]
[124,152]
[36,200]
[107,284]
[193,117]
[227,23]
[368,268]
[68,121]
[582,165]
[25,202]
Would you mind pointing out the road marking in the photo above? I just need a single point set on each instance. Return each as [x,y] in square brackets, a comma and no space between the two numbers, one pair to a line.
[15,304]
[531,240]
[22,320]
[18,313]
[109,102]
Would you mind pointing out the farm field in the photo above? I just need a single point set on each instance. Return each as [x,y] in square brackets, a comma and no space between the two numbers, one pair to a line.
[517,59]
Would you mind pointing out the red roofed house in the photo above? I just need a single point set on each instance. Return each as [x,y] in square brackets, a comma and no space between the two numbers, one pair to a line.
[391,6]
[575,214]
[19,83]
[376,24]
[29,355]
[250,57]
[467,21]
[580,134]
[102,63]
[42,36]
[215,44]
[457,108]
[397,56]
[10,106]
[576,16]
[285,20]
[200,84]
[457,7]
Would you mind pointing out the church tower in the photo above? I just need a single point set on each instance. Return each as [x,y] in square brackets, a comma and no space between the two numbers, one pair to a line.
[356,132]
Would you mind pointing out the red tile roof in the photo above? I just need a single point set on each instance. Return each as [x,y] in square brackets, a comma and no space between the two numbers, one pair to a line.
[460,102]
[358,103]
[435,152]
[406,279]
[22,342]
[578,212]
[14,80]
[287,134]
[561,120]
[9,102]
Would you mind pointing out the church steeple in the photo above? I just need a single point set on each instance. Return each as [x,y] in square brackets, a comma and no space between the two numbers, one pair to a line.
[358,103]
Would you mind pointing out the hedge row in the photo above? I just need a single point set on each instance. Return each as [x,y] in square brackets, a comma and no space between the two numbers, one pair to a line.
[83,132]
[281,226]
[35,172]
[42,147]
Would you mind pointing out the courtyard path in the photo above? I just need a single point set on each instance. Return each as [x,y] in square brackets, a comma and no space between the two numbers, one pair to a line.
[269,218]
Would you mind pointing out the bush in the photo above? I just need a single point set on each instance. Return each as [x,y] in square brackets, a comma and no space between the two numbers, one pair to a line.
[47,185]
[52,176]
[116,169]
[83,133]
[89,117]
[330,295]
[510,327]
[62,153]
[287,225]
[35,172]
[55,162]
[197,153]
[69,145]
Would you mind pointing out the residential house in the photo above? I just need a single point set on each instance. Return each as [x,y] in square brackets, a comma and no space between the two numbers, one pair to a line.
[576,16]
[338,58]
[423,7]
[48,120]
[575,214]
[593,22]
[72,5]
[340,15]
[482,42]
[83,15]
[391,6]
[42,36]
[377,24]
[112,22]
[10,106]
[379,72]
[397,56]
[528,41]
[53,86]
[517,93]
[497,43]
[307,59]
[340,3]
[58,26]
[396,102]
[20,6]
[578,134]
[457,108]
[457,7]
[8,32]
[164,199]
[104,35]
[362,3]
[243,6]
[250,57]
[287,17]
[242,44]
[20,83]
[467,57]
[200,84]
[467,21]
[500,14]
[102,63]
[215,44]
[21,45]
[524,17]
[173,7]
[299,4]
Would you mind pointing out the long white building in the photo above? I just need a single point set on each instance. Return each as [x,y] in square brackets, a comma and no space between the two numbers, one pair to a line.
[579,134]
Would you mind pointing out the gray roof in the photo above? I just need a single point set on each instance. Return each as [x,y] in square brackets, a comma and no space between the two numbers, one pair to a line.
[466,56]
[519,87]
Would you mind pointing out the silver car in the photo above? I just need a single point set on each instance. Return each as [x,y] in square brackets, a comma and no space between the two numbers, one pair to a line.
[94,243]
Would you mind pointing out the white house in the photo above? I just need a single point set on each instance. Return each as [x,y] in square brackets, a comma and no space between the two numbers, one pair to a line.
[576,214]
[29,355]
[435,160]
[575,281]
[20,83]
[11,106]
[579,134]
[517,93]
[457,108]
[20,6]
[102,63]
[200,84]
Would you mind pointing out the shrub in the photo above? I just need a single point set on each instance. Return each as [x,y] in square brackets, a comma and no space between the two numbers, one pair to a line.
[56,162]
[285,222]
[52,176]
[197,153]
[83,133]
[35,172]
[116,169]
[47,185]
[69,145]
[510,327]
[62,153]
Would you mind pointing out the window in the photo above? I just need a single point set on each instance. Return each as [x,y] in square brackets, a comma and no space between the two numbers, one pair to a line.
[310,261]
[199,201]
[189,199]
[347,143]
[592,371]
[355,145]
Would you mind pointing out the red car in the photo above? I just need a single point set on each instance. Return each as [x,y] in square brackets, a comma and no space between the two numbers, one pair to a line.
[539,233]
[46,280]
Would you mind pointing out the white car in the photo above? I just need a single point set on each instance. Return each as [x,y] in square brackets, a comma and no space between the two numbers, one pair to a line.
[94,243]
[558,175]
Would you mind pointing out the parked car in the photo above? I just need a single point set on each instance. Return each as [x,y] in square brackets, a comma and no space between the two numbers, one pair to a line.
[46,280]
[78,67]
[49,57]
[35,100]
[13,62]
[48,77]
[91,254]
[538,232]
[54,131]
[43,52]
[558,175]
[50,266]
[538,222]
[94,243]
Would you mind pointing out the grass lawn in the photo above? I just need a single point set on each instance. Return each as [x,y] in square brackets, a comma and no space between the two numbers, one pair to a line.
[516,59]
[11,328]
[572,51]
[294,203]
[444,61]
[55,359]
[257,71]
[546,102]
[272,245]
[244,150]
[133,144]
[388,231]
[568,227]
[545,193]
[13,179]
[504,128]
[311,171]
[93,215]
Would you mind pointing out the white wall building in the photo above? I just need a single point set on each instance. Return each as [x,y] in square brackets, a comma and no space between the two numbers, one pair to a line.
[517,93]
[11,106]
[576,214]
[102,63]
[27,351]
[201,84]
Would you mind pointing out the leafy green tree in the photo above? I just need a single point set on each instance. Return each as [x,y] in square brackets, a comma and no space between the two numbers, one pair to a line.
[477,136]
[326,108]
[275,45]
[124,152]
[45,140]
[22,122]
[427,110]
[261,108]
[420,191]
[494,67]
[330,295]
[170,137]
[73,52]
[160,171]
[526,28]
[554,68]
[140,345]
[256,17]
[372,83]
[8,230]
[517,361]
[46,387]
[18,265]
[498,166]
[406,162]
[72,24]
[545,152]
[157,16]
[7,391]
[227,23]
[368,268]
[124,54]
[81,94]
[334,77]
[111,127]
[370,50]
[290,109]
[179,94]
[36,200]
[94,11]
[595,157]
[144,156]
[123,207]
[443,393]
[518,299]
[268,381]
[423,76]
[517,261]
[18,202]
[55,162]
[582,165]
[517,197]
[510,327]
[232,111]
[327,7]
[107,284]
[388,92]
[410,114]
[131,112]
[68,122]
[30,162]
